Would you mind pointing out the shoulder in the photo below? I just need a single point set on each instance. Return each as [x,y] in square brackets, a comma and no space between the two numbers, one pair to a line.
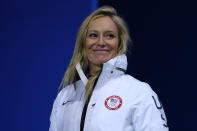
[64,93]
[69,91]
[136,90]
[135,84]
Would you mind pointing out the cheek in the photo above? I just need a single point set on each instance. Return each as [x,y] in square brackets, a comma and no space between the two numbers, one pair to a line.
[88,49]
[115,48]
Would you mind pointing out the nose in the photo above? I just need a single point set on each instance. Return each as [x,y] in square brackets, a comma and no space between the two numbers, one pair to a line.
[101,41]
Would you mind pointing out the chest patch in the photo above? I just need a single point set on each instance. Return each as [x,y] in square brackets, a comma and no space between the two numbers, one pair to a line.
[113,102]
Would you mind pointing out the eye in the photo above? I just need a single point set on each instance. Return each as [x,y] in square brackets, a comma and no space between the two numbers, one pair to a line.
[110,36]
[92,35]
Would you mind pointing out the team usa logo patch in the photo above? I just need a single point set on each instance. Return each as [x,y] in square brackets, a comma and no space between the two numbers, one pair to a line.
[113,102]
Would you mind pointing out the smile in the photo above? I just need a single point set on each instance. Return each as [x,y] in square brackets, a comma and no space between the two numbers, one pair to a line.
[101,52]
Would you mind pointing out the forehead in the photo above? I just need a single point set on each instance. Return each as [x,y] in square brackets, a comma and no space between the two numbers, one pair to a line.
[104,23]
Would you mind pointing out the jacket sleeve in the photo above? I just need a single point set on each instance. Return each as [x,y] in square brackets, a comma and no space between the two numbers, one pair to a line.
[149,114]
[53,119]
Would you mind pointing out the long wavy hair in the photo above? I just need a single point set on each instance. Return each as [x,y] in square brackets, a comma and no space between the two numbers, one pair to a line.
[79,55]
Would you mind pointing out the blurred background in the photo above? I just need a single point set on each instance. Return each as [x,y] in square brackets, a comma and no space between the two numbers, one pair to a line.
[37,40]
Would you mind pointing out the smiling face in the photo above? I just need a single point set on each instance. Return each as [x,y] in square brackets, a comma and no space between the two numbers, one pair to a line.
[101,41]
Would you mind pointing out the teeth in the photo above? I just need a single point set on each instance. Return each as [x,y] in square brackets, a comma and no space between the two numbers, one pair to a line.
[101,52]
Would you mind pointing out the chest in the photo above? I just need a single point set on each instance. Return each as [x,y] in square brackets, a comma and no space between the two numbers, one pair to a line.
[109,106]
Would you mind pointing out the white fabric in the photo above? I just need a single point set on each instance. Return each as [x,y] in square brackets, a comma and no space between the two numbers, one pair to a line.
[140,109]
[81,74]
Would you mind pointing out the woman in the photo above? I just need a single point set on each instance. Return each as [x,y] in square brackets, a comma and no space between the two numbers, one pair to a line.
[95,93]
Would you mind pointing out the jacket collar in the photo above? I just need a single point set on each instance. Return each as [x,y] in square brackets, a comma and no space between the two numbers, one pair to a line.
[117,64]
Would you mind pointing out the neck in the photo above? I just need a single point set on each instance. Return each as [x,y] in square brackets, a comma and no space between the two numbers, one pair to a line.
[94,69]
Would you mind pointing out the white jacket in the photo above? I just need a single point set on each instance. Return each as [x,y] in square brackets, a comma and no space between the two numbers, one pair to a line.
[119,102]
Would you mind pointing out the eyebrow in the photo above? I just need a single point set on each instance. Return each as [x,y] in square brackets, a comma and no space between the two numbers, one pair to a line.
[108,31]
[92,31]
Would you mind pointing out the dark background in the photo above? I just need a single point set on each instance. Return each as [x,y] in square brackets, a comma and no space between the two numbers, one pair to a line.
[37,41]
[164,54]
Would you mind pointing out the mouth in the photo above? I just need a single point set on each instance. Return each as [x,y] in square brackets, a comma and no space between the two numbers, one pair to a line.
[101,51]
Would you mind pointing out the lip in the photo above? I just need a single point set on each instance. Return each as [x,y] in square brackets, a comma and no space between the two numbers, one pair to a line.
[100,50]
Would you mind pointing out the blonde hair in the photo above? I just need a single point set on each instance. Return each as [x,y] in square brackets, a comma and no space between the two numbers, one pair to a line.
[79,55]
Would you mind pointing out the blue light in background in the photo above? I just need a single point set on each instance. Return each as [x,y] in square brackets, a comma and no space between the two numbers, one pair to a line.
[94,5]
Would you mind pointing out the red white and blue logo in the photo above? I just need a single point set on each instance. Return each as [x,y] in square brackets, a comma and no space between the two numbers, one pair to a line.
[113,102]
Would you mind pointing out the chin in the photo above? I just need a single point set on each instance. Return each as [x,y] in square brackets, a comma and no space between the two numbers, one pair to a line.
[102,61]
[99,60]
